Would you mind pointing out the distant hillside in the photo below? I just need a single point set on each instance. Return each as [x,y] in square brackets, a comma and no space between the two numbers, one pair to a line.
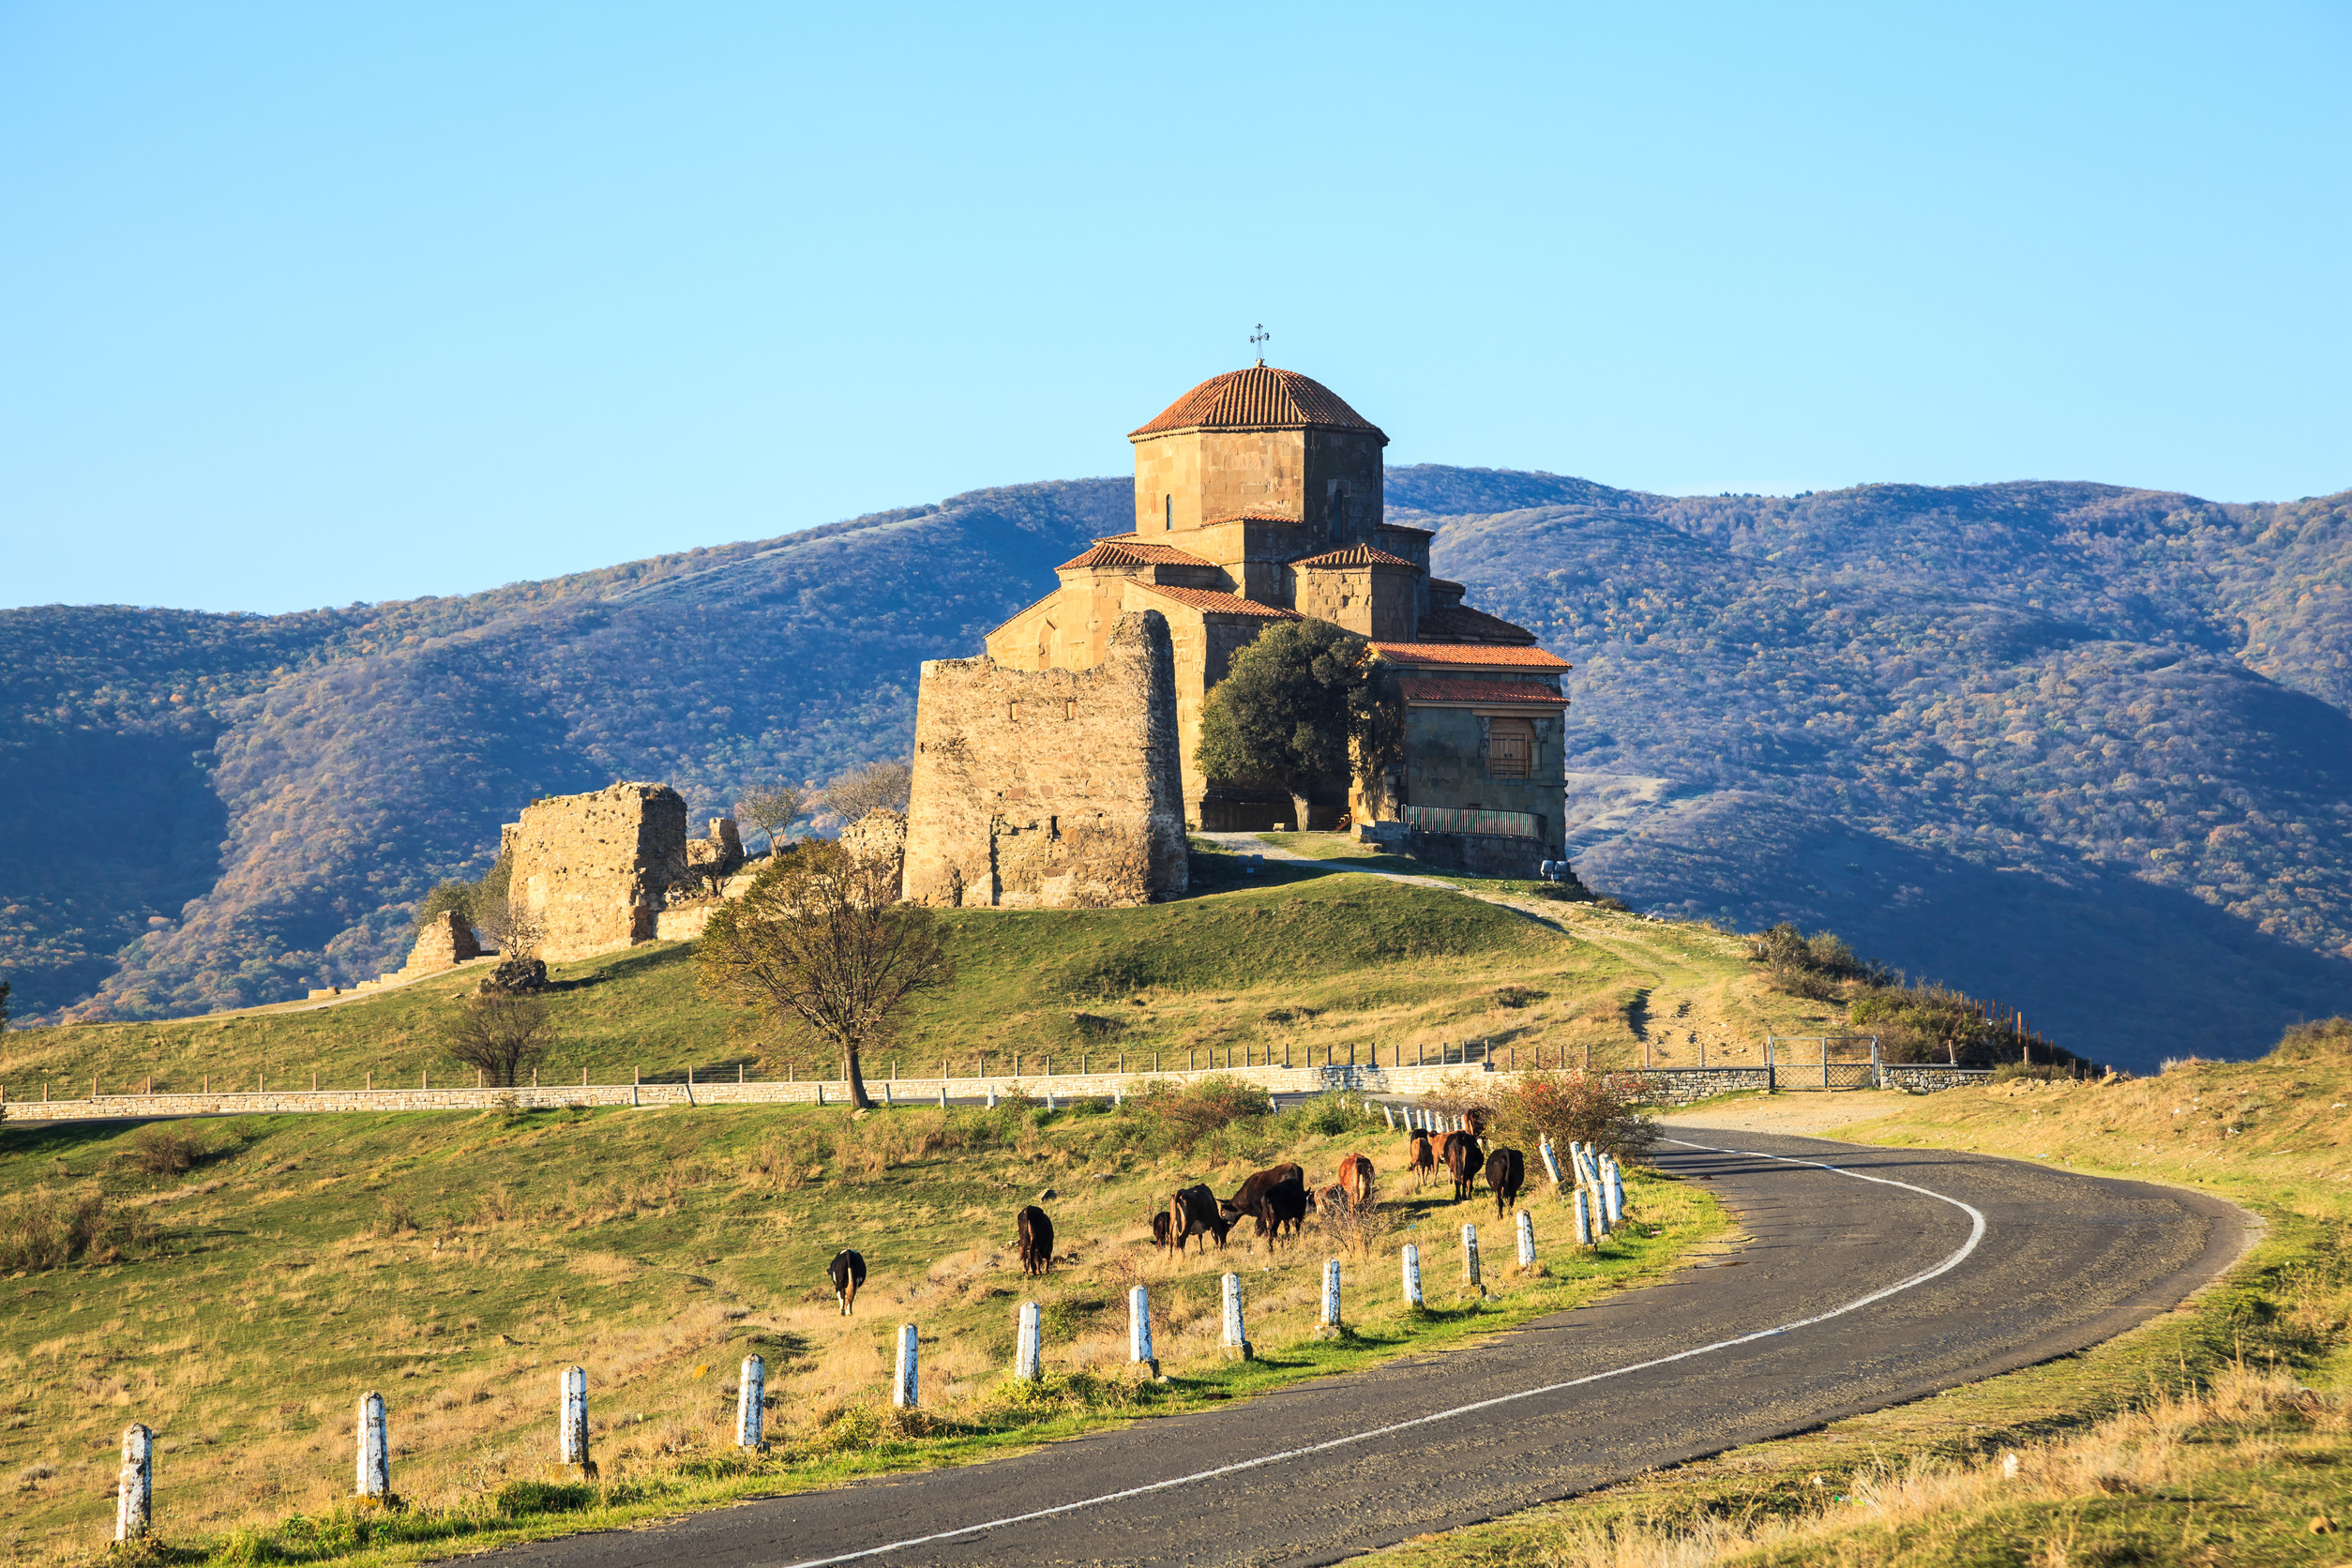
[2080,747]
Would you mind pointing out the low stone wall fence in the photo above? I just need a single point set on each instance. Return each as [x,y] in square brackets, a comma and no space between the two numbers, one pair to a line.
[1667,1086]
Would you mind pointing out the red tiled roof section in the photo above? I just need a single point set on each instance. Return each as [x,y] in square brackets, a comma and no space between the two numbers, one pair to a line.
[1357,556]
[1471,656]
[1226,603]
[1259,397]
[1460,690]
[1132,553]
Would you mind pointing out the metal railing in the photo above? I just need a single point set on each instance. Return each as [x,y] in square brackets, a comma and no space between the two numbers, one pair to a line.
[1451,819]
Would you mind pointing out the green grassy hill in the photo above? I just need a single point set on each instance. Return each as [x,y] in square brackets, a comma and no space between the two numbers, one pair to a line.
[1304,955]
[456,1264]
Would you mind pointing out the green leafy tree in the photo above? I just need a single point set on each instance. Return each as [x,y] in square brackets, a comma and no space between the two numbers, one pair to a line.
[819,941]
[504,1036]
[1305,702]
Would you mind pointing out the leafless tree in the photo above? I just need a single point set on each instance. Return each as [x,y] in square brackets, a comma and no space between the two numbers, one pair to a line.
[505,1037]
[773,808]
[820,942]
[877,786]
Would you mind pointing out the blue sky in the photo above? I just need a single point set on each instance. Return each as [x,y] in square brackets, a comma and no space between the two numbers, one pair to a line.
[313,304]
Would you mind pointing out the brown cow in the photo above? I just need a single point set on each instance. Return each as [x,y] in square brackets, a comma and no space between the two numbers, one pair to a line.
[1333,1200]
[1036,1241]
[1245,1201]
[1194,1212]
[1355,1175]
[1462,1158]
[1506,1173]
[1474,1120]
[1422,1159]
[1159,1230]
[848,1272]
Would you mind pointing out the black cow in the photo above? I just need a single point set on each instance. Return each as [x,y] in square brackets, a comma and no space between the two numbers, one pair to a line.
[1506,1173]
[1284,1205]
[848,1272]
[1036,1241]
[1195,1212]
[1245,1201]
[1462,1157]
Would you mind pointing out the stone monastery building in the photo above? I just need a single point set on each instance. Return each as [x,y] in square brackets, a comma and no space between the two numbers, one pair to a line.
[1259,498]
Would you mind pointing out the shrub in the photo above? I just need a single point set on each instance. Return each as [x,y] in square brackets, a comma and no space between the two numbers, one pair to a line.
[2045,1071]
[163,1149]
[1196,1110]
[502,1036]
[1329,1114]
[43,1229]
[2320,1040]
[1599,1108]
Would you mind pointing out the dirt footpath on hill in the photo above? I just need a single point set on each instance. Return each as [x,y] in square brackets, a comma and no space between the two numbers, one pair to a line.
[1802,1114]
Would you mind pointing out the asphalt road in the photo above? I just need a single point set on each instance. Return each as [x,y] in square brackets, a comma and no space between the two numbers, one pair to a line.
[1849,1294]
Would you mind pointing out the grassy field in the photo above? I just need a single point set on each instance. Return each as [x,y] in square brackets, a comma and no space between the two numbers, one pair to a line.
[455,1264]
[2216,1434]
[1306,958]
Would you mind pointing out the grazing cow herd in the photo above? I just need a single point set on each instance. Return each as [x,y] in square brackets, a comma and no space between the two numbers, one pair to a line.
[1276,1201]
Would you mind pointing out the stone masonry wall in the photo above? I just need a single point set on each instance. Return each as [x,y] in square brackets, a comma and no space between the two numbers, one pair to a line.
[597,868]
[445,943]
[1054,788]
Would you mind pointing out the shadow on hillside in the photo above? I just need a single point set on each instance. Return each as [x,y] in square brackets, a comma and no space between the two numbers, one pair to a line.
[2110,967]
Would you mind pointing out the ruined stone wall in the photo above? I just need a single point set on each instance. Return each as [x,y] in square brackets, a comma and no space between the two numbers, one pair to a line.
[597,869]
[446,941]
[1054,788]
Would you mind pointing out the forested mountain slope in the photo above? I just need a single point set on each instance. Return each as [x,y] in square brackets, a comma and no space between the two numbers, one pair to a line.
[215,810]
[2081,748]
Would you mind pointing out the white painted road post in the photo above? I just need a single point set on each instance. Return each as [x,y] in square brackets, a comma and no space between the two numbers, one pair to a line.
[1527,1240]
[1613,1199]
[1049,1105]
[1584,1218]
[942,1094]
[1139,1351]
[751,1403]
[992,1096]
[906,1386]
[887,1098]
[1551,1162]
[571,1431]
[1236,1337]
[1027,1351]
[1411,1262]
[1471,1279]
[1330,1324]
[134,1491]
[375,1448]
[1389,1111]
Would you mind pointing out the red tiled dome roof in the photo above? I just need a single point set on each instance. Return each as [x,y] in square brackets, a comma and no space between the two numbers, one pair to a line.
[1356,555]
[1259,398]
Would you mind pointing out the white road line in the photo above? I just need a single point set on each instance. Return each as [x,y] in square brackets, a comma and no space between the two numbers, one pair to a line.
[1976,1234]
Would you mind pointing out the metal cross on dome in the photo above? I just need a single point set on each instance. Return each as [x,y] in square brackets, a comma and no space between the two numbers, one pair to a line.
[1258,336]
